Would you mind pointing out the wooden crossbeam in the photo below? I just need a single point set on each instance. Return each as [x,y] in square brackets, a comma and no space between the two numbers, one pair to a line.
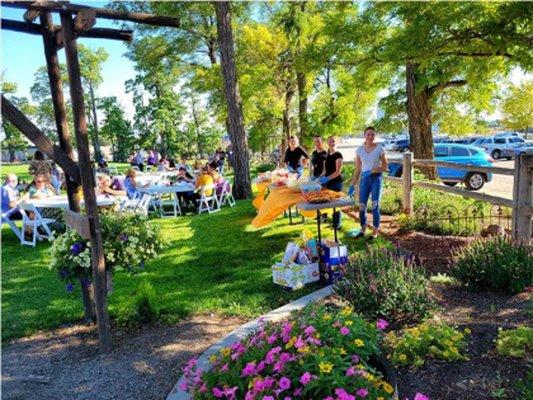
[51,6]
[28,129]
[85,20]
[95,33]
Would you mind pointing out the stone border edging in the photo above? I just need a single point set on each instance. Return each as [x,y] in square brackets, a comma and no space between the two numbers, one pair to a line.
[245,330]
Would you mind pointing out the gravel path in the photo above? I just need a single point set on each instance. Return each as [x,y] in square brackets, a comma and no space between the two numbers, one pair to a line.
[65,364]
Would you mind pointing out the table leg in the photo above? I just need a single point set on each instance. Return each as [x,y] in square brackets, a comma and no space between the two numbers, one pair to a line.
[290,216]
[334,226]
[318,226]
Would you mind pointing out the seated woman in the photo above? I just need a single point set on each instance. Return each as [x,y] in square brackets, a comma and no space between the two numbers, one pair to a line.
[204,179]
[41,188]
[218,179]
[163,164]
[131,185]
[105,186]
[184,176]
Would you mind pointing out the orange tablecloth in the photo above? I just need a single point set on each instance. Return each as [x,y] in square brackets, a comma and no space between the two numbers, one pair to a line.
[260,198]
[278,201]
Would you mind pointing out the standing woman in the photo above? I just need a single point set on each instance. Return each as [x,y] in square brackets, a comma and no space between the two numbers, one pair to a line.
[318,157]
[332,177]
[370,163]
[295,157]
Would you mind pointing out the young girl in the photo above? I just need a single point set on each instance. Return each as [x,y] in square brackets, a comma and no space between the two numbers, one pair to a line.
[370,163]
[331,176]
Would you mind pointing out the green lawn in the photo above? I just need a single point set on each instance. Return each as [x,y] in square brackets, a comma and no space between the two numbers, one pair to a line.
[213,263]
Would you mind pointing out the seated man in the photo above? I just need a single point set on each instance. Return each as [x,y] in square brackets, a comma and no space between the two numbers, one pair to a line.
[10,197]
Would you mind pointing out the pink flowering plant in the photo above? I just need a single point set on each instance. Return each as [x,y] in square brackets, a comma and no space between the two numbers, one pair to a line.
[316,354]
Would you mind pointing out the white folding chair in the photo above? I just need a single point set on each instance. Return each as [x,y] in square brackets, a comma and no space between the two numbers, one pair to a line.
[37,222]
[5,219]
[226,195]
[143,204]
[205,200]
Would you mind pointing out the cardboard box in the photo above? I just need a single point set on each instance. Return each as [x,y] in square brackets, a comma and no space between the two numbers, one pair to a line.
[295,276]
[333,261]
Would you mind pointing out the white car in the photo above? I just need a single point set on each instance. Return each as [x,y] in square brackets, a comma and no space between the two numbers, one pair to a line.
[495,145]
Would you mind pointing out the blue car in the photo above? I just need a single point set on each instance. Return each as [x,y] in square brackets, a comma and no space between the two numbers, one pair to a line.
[461,154]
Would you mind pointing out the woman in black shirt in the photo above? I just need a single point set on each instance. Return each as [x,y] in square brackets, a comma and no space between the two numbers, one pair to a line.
[332,177]
[318,157]
[295,156]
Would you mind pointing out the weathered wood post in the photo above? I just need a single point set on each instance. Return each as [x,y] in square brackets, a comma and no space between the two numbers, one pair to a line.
[86,173]
[522,197]
[407,182]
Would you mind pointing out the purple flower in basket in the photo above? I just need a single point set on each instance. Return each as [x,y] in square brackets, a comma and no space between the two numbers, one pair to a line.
[77,248]
[123,237]
[69,287]
[63,273]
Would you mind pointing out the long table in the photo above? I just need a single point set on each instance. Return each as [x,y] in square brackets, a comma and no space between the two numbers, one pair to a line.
[158,190]
[340,203]
[62,201]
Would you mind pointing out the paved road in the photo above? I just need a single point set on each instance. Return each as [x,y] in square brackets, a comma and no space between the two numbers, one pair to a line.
[501,185]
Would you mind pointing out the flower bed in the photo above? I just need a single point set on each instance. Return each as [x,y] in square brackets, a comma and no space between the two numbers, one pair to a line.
[315,354]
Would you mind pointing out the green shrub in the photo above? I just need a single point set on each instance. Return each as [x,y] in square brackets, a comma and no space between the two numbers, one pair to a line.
[431,339]
[443,279]
[265,167]
[379,283]
[516,343]
[497,263]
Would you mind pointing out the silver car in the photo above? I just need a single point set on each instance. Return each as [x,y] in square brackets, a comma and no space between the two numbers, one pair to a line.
[495,146]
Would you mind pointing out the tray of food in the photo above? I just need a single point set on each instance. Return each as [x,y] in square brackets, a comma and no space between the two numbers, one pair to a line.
[323,196]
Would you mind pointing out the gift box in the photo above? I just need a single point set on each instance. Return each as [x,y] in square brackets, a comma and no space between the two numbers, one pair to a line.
[295,276]
[333,261]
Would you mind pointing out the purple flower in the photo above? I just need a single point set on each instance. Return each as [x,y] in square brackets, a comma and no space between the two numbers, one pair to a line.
[284,383]
[271,339]
[268,397]
[420,396]
[305,378]
[77,248]
[344,331]
[309,330]
[260,367]
[123,237]
[218,393]
[224,368]
[381,324]
[298,392]
[249,369]
[63,273]
[350,371]
[230,392]
[355,358]
[343,395]
[362,392]
[69,287]
[299,343]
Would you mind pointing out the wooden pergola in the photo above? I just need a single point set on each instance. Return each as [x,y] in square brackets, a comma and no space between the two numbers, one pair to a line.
[76,21]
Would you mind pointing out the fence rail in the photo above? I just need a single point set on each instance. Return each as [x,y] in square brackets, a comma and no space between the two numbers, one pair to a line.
[521,204]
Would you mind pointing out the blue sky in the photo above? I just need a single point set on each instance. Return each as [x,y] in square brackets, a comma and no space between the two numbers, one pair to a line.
[22,54]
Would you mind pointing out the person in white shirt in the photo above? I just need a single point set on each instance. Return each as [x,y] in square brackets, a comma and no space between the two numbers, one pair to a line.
[370,164]
[10,197]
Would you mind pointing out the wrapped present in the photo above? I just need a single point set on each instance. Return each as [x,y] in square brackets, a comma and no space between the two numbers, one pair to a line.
[333,261]
[295,276]
[331,273]
[291,252]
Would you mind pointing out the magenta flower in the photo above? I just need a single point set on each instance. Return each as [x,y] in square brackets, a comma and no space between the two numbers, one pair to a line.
[286,329]
[249,395]
[284,383]
[309,330]
[350,371]
[268,382]
[183,386]
[287,398]
[224,368]
[286,357]
[269,358]
[336,324]
[381,324]
[343,394]
[260,367]
[344,331]
[355,358]
[249,369]
[420,396]
[299,343]
[305,378]
[271,339]
[230,392]
[268,397]
[218,393]
[278,367]
[329,398]
[203,388]
[297,392]
[362,392]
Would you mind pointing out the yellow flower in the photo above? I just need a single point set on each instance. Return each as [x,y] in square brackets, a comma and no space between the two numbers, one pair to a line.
[291,342]
[347,311]
[325,367]
[370,377]
[301,362]
[317,336]
[342,352]
[226,351]
[304,349]
[423,327]
[358,342]
[457,337]
[402,357]
[380,398]
[326,317]
[212,358]
[415,332]
[387,388]
[467,331]
[454,350]
[348,323]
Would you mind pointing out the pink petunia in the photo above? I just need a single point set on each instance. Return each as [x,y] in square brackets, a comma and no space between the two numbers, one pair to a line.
[305,378]
[420,396]
[268,397]
[271,339]
[268,382]
[362,392]
[309,330]
[183,386]
[297,392]
[299,343]
[355,358]
[350,371]
[328,398]
[218,393]
[345,331]
[249,369]
[278,367]
[224,368]
[260,367]
[249,395]
[343,394]
[230,392]
[336,324]
[203,388]
[381,324]
[284,383]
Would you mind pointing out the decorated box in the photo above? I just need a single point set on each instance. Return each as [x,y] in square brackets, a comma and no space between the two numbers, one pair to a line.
[295,276]
[333,261]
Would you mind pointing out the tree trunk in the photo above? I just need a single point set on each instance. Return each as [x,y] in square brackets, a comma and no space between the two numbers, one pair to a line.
[87,293]
[241,156]
[96,140]
[419,114]
[302,106]
[11,154]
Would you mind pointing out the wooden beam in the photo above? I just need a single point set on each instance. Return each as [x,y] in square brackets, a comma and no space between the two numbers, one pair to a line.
[85,20]
[143,18]
[28,129]
[475,168]
[522,198]
[58,101]
[31,15]
[95,33]
[466,193]
[87,178]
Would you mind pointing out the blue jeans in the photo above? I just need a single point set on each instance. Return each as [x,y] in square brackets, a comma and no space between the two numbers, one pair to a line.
[370,185]
[337,215]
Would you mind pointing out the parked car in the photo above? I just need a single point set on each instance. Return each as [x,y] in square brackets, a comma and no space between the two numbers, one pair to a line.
[518,150]
[461,154]
[496,144]
[398,145]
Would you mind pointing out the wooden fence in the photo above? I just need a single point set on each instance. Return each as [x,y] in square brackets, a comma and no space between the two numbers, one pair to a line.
[521,203]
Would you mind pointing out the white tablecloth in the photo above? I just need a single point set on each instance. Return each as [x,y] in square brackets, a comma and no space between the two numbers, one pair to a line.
[160,189]
[62,201]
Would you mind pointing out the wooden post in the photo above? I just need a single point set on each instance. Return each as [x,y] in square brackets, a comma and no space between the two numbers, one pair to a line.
[407,183]
[58,100]
[522,198]
[86,172]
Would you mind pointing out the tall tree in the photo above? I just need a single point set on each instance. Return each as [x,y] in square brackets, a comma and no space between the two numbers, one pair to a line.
[91,74]
[517,107]
[241,157]
[12,139]
[116,128]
